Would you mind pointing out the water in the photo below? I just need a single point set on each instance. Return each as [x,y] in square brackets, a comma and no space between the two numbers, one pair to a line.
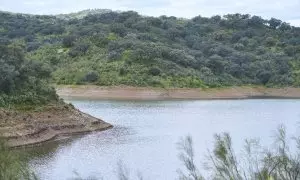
[145,134]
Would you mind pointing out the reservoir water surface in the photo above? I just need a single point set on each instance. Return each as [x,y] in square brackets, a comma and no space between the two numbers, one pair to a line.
[145,135]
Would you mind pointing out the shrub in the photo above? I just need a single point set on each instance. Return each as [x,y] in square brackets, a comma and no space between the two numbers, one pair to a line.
[154,71]
[270,41]
[91,77]
[276,163]
[122,71]
[68,41]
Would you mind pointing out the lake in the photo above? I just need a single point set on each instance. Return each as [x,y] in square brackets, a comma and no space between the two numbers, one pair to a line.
[145,135]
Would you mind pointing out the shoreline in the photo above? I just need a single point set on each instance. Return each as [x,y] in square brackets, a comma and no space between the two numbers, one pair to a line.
[23,143]
[144,93]
[33,128]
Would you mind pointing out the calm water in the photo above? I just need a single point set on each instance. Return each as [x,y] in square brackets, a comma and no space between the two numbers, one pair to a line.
[146,132]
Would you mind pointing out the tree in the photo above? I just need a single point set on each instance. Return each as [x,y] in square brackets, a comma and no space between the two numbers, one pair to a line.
[239,46]
[91,77]
[78,50]
[264,76]
[274,23]
[125,17]
[256,21]
[68,41]
[216,64]
[32,46]
[216,18]
[173,33]
[155,21]
[118,29]
[154,71]
[285,26]
[270,41]
[141,26]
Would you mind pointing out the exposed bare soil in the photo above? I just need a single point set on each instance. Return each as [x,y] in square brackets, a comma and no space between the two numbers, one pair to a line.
[32,127]
[135,93]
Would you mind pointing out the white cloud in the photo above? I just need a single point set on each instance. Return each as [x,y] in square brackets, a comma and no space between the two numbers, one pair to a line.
[35,3]
[295,22]
[3,8]
[287,10]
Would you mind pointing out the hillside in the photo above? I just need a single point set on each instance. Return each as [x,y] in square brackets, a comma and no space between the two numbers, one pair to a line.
[109,48]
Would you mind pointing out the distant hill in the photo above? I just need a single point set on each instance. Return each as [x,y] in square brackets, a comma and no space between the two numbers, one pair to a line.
[108,48]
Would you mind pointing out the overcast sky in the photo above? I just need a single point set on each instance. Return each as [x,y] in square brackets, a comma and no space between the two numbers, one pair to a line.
[287,10]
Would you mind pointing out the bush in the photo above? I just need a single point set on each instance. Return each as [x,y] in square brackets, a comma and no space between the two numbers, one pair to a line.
[32,46]
[270,41]
[91,77]
[2,101]
[278,163]
[154,71]
[122,71]
[68,41]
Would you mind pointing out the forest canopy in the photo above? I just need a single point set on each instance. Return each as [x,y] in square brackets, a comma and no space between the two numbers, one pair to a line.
[124,48]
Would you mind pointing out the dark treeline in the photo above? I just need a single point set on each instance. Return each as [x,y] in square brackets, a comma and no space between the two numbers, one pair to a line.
[124,48]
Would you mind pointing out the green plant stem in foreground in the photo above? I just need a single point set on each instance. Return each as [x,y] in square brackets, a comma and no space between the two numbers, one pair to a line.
[280,163]
[12,166]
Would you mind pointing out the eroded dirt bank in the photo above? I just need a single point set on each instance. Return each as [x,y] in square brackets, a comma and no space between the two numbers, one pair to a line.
[33,127]
[134,93]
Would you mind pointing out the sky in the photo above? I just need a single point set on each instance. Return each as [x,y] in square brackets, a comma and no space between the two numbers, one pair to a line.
[286,10]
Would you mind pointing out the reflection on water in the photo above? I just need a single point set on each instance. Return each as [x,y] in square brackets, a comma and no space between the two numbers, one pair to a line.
[145,134]
[44,151]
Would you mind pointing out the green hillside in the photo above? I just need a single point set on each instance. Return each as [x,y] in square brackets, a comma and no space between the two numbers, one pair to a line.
[107,48]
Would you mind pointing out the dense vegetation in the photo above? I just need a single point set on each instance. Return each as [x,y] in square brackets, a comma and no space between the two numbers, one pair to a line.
[23,82]
[124,48]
